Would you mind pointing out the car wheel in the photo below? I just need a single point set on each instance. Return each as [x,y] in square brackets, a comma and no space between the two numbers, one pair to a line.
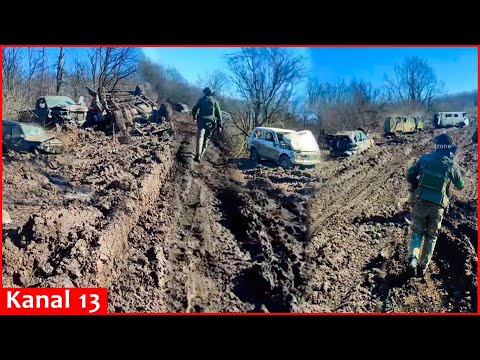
[254,155]
[285,162]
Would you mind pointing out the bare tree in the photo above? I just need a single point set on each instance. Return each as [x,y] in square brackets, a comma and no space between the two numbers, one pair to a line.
[366,104]
[78,77]
[217,80]
[242,118]
[342,106]
[42,75]
[324,99]
[20,69]
[12,77]
[265,78]
[12,70]
[413,81]
[109,66]
[60,69]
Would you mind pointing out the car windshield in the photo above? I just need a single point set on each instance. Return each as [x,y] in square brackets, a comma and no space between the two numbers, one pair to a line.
[280,136]
[32,130]
[59,101]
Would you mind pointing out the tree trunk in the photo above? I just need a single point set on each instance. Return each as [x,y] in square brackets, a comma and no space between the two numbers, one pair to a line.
[42,79]
[61,58]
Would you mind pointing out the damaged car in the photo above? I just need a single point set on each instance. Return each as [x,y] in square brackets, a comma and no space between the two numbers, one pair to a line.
[28,137]
[60,110]
[287,148]
[347,143]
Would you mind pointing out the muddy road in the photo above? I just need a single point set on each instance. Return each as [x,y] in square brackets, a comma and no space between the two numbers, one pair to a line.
[167,234]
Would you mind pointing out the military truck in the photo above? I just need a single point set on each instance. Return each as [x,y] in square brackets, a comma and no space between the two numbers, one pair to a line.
[450,119]
[398,124]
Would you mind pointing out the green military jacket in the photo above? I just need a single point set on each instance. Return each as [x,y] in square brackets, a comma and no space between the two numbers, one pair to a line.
[207,110]
[432,175]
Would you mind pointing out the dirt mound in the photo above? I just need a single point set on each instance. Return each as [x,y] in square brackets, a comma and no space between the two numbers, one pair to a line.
[78,206]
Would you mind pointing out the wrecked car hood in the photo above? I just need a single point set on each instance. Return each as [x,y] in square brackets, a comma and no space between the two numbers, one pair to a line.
[72,108]
[41,138]
[302,141]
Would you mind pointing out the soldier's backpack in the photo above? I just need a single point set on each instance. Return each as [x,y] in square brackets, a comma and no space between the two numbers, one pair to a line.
[434,183]
[207,109]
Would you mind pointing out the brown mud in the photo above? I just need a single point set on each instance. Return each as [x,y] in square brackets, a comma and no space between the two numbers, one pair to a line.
[167,234]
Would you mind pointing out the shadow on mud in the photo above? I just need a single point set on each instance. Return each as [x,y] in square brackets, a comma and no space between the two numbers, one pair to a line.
[247,164]
[14,236]
[235,219]
[256,285]
[184,156]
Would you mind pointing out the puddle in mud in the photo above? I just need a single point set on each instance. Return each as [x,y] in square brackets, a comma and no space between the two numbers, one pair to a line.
[69,191]
[58,180]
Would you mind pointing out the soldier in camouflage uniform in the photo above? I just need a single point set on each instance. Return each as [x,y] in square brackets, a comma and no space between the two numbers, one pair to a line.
[430,177]
[209,116]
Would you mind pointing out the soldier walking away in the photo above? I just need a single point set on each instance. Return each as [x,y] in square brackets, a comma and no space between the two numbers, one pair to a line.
[430,178]
[209,116]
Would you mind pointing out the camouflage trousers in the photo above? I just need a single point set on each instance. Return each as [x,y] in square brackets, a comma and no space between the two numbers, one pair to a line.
[204,133]
[426,221]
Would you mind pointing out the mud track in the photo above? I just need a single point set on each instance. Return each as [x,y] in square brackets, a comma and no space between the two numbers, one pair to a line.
[217,240]
[359,236]
[166,234]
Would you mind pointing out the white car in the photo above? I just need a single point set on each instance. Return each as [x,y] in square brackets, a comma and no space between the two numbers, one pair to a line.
[286,147]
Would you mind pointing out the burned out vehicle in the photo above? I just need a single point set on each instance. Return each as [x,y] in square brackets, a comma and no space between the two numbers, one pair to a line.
[324,140]
[397,125]
[450,119]
[183,108]
[285,147]
[28,137]
[60,110]
[348,143]
[115,110]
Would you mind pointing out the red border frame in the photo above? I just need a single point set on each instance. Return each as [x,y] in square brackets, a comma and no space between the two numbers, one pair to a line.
[275,45]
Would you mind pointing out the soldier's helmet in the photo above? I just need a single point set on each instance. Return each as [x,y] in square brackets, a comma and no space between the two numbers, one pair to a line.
[444,142]
[208,91]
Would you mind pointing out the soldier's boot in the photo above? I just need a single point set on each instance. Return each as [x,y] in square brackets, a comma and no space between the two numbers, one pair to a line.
[205,144]
[427,253]
[414,253]
[198,151]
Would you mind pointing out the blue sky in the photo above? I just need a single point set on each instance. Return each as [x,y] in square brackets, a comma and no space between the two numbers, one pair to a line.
[456,67]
